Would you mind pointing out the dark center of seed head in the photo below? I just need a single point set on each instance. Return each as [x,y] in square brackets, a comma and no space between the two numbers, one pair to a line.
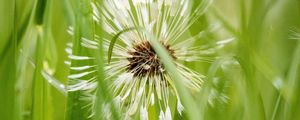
[144,61]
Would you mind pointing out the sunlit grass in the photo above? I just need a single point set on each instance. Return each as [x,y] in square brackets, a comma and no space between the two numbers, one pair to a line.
[253,72]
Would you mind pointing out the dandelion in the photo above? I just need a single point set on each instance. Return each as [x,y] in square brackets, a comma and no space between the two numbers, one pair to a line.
[137,76]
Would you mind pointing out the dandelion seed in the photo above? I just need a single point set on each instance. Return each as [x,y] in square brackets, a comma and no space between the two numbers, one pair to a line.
[138,77]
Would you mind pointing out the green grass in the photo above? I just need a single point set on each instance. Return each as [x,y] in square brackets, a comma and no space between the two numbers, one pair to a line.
[255,77]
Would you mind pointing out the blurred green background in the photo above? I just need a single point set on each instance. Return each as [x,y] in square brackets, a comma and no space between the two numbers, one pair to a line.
[255,77]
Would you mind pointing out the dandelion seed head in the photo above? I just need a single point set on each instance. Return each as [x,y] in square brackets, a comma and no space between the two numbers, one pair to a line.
[136,74]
